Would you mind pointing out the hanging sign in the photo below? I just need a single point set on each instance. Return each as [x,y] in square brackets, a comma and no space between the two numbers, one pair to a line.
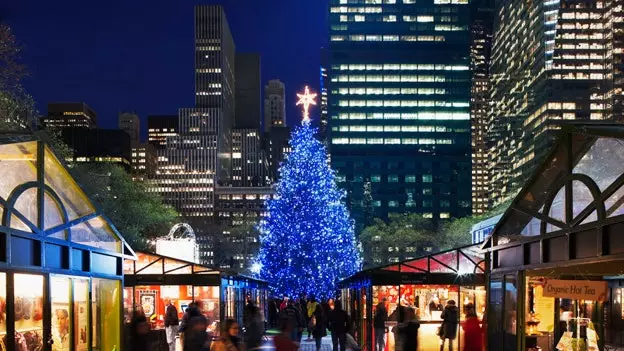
[576,289]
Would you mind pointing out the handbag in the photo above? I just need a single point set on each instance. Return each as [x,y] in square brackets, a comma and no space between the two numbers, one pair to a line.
[312,323]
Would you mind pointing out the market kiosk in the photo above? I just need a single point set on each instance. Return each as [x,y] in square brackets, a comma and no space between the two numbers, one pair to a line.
[153,279]
[60,258]
[557,254]
[424,284]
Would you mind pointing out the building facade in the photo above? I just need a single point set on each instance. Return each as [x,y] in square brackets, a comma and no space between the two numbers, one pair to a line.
[99,146]
[161,127]
[248,91]
[130,123]
[69,115]
[399,105]
[565,67]
[144,161]
[480,50]
[250,167]
[324,84]
[274,105]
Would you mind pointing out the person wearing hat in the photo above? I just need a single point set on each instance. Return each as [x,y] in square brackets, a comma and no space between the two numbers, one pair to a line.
[448,329]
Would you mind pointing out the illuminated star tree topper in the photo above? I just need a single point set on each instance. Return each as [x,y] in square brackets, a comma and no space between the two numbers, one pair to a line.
[306,99]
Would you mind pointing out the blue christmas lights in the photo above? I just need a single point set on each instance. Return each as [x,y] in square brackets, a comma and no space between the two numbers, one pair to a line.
[307,238]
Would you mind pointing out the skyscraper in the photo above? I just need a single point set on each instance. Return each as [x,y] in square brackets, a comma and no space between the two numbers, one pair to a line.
[399,105]
[545,72]
[480,48]
[129,122]
[159,128]
[324,84]
[248,91]
[70,115]
[274,105]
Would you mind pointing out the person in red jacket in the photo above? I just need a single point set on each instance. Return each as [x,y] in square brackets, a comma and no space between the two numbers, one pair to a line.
[473,333]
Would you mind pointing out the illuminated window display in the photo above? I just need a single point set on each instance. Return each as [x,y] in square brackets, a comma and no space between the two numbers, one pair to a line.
[153,279]
[425,285]
[62,253]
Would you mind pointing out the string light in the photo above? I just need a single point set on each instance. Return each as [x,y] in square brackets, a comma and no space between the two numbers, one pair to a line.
[307,238]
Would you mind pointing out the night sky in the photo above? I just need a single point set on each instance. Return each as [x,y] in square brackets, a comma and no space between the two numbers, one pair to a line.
[137,55]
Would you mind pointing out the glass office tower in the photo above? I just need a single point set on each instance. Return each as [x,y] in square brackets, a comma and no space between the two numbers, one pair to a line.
[399,105]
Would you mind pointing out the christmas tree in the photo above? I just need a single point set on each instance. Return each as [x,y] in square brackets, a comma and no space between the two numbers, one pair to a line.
[307,238]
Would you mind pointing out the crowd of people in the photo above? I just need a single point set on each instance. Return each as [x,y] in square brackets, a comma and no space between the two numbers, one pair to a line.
[407,329]
[295,317]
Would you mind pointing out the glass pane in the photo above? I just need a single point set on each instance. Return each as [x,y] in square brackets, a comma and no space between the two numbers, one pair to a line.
[591,218]
[17,223]
[106,314]
[97,233]
[28,300]
[26,204]
[17,166]
[437,267]
[604,162]
[128,301]
[74,199]
[466,266]
[81,314]
[175,267]
[392,268]
[495,312]
[416,266]
[61,234]
[3,303]
[208,300]
[448,258]
[52,213]
[144,260]
[532,228]
[614,203]
[557,209]
[61,327]
[511,316]
[551,228]
[581,197]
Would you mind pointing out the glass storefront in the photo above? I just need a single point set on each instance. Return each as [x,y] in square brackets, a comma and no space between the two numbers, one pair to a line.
[424,285]
[28,311]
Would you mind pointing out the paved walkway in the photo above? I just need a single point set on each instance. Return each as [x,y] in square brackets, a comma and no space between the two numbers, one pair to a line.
[305,345]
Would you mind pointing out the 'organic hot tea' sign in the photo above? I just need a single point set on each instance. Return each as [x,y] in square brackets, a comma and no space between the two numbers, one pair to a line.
[576,289]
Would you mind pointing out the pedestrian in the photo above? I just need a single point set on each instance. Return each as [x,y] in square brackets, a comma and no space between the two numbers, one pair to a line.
[318,328]
[310,309]
[293,313]
[171,324]
[410,330]
[473,332]
[339,326]
[139,329]
[448,329]
[284,304]
[379,324]
[196,336]
[254,326]
[273,311]
[191,312]
[229,340]
[282,341]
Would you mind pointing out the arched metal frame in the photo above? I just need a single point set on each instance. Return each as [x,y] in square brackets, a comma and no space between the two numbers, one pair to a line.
[189,231]
[38,230]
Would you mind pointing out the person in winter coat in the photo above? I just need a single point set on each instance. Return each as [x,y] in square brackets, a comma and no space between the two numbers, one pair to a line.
[473,333]
[339,321]
[254,326]
[311,308]
[448,329]
[139,330]
[409,331]
[273,311]
[229,340]
[171,324]
[319,330]
[191,312]
[282,341]
[196,337]
[379,324]
[293,313]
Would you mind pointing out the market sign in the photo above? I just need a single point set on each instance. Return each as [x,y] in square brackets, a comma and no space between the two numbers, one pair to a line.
[576,289]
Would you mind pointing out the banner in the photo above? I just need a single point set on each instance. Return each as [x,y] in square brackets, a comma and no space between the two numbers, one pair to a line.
[576,289]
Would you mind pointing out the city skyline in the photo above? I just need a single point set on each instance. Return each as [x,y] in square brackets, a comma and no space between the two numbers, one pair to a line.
[112,74]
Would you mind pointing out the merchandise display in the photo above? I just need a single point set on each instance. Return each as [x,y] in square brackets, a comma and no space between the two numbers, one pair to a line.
[28,302]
